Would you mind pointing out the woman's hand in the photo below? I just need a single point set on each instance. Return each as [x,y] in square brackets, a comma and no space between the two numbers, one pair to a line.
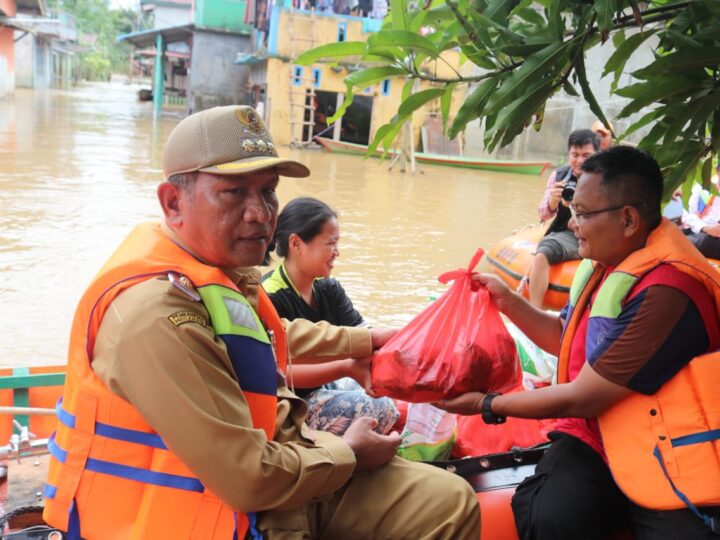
[380,336]
[466,404]
[359,369]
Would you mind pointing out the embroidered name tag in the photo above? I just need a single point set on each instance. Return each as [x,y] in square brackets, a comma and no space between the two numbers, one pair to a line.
[184,317]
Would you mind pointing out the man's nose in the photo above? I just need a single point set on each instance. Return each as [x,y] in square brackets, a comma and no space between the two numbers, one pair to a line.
[257,210]
[572,224]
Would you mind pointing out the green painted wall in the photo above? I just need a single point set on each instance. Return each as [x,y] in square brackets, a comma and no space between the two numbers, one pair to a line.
[222,15]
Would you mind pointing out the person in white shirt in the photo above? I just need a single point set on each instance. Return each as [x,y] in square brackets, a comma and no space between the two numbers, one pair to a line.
[701,221]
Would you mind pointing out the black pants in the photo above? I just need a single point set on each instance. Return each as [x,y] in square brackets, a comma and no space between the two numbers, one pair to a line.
[706,244]
[572,495]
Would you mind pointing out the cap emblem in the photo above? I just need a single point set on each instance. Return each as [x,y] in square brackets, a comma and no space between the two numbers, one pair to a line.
[250,121]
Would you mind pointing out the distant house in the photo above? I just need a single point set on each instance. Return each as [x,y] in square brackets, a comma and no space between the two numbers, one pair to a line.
[197,47]
[45,50]
[297,100]
[9,10]
[37,46]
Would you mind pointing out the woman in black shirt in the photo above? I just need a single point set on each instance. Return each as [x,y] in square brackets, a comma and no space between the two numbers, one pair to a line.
[307,237]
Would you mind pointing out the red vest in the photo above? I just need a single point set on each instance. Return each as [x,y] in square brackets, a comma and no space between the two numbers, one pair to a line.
[665,446]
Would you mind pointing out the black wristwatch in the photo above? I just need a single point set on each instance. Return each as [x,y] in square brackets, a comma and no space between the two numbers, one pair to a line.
[487,415]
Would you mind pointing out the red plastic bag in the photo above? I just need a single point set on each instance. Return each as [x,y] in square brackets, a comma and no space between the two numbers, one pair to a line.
[457,344]
[476,438]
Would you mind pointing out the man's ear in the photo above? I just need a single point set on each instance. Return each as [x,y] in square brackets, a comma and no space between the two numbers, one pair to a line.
[170,196]
[631,220]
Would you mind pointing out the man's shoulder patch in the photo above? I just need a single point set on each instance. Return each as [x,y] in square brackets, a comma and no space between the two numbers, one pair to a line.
[183,317]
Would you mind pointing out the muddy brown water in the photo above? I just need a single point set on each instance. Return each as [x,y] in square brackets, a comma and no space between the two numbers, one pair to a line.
[78,169]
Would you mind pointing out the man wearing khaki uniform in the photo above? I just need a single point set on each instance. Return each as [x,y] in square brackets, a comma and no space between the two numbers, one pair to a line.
[156,349]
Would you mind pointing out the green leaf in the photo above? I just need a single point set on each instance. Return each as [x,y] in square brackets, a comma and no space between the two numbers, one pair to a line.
[709,106]
[604,10]
[514,118]
[417,100]
[556,27]
[332,51]
[417,20]
[498,10]
[697,113]
[398,15]
[682,61]
[472,107]
[531,16]
[407,89]
[362,79]
[587,91]
[402,38]
[684,168]
[535,68]
[570,89]
[645,94]
[624,50]
[707,173]
[373,75]
[645,120]
[445,103]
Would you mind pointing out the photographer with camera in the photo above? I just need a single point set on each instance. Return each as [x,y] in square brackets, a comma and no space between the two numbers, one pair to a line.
[559,243]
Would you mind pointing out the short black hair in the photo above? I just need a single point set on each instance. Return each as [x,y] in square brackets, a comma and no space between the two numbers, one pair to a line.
[630,176]
[304,216]
[581,137]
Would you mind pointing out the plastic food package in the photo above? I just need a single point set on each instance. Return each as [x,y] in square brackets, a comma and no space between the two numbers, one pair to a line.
[458,344]
[429,433]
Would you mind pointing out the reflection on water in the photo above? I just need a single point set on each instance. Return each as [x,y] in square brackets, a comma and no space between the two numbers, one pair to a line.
[78,169]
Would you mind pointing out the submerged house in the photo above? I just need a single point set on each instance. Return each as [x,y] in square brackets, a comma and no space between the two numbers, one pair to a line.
[9,11]
[37,46]
[193,48]
[297,100]
[45,51]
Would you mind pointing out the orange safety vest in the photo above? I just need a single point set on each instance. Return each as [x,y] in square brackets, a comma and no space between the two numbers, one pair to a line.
[663,449]
[111,475]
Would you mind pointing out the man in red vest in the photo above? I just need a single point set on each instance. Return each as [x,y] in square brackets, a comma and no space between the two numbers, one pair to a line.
[637,347]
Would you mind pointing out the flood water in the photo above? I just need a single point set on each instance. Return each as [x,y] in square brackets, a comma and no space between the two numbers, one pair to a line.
[78,169]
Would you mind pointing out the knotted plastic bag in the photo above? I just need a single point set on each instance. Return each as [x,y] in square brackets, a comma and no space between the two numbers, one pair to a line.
[456,345]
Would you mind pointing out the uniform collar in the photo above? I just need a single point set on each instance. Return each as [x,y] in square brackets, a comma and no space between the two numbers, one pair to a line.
[247,278]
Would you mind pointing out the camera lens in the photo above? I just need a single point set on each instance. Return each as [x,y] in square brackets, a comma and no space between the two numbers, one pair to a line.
[568,191]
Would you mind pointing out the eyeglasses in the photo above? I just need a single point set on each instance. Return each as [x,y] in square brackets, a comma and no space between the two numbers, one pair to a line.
[582,216]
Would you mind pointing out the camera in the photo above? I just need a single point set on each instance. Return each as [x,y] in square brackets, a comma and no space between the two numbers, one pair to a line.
[568,191]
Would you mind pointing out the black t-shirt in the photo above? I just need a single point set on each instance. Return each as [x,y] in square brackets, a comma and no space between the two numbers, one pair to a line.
[332,304]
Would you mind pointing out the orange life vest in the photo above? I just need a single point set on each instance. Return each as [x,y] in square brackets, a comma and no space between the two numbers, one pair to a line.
[111,475]
[663,449]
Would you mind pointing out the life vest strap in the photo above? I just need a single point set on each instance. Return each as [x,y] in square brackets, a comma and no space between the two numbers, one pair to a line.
[112,432]
[695,438]
[128,472]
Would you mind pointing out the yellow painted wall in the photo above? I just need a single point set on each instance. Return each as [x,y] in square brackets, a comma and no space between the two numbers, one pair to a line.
[323,29]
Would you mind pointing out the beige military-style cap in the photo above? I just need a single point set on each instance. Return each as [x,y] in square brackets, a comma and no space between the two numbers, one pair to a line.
[225,140]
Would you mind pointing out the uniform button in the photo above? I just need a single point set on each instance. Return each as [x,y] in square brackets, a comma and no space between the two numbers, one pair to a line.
[653,412]
[662,437]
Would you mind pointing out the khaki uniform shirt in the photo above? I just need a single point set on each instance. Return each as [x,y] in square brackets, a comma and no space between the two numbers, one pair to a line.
[157,349]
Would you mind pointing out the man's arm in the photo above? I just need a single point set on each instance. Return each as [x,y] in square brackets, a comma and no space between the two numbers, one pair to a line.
[310,342]
[657,333]
[548,205]
[180,379]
